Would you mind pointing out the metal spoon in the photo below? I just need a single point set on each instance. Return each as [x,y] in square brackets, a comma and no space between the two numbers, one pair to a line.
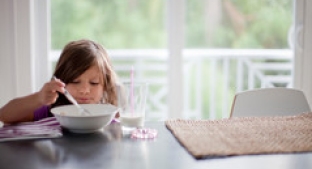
[72,100]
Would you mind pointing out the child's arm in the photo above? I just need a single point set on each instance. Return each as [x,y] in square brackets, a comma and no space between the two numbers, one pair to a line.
[22,109]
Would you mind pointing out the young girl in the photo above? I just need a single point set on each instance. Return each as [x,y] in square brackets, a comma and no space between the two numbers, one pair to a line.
[84,68]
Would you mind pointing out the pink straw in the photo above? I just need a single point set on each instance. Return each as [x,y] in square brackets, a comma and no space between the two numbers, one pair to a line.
[132,72]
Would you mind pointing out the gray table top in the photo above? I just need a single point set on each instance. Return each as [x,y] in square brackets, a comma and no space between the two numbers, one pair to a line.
[111,148]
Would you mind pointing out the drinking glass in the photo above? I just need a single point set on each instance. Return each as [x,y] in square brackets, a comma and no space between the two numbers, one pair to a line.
[132,101]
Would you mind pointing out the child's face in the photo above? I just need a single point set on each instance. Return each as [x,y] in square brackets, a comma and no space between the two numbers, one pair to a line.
[88,87]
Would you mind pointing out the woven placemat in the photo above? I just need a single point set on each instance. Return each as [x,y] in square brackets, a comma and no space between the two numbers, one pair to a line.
[244,135]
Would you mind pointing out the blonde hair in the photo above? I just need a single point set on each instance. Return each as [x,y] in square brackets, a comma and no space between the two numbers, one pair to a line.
[77,57]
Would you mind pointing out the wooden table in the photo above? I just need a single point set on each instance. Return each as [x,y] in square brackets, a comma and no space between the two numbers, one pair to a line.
[112,149]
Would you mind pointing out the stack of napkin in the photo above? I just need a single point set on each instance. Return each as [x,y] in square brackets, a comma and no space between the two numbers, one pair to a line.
[45,128]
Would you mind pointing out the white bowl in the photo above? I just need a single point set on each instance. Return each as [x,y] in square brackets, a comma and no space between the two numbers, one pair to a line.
[69,117]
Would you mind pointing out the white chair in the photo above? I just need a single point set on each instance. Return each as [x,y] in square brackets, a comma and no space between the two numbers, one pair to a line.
[269,102]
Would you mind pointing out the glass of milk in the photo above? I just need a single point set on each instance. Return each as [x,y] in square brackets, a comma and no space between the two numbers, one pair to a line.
[132,101]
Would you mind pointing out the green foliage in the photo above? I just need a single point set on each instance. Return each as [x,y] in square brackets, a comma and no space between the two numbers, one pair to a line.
[115,24]
[141,23]
[248,24]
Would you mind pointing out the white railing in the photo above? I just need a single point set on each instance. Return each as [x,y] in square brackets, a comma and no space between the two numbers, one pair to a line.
[211,76]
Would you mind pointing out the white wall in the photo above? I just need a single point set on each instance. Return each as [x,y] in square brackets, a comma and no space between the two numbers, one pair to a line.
[303,48]
[7,85]
[24,46]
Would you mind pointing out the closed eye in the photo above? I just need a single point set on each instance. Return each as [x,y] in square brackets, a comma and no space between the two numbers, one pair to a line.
[94,83]
[74,82]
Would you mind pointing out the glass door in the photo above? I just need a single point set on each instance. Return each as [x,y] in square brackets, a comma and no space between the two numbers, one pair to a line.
[232,46]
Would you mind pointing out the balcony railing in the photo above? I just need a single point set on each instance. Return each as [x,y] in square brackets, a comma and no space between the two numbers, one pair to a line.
[211,76]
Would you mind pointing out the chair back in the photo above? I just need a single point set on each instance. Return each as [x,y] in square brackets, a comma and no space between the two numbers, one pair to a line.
[269,102]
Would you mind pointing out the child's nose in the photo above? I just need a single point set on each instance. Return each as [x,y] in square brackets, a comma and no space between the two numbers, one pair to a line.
[84,88]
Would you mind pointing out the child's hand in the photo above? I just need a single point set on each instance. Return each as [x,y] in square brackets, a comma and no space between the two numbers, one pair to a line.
[48,93]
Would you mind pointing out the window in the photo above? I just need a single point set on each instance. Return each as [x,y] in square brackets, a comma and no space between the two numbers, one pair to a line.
[228,46]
